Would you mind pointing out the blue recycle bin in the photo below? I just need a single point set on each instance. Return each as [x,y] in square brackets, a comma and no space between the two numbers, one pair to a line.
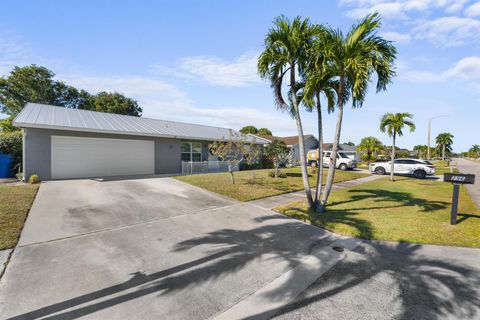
[6,162]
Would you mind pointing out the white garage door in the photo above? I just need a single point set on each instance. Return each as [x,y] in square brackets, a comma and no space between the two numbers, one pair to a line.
[74,157]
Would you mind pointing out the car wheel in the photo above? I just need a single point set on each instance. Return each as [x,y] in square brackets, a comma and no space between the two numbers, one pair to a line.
[313,164]
[380,170]
[420,174]
[343,167]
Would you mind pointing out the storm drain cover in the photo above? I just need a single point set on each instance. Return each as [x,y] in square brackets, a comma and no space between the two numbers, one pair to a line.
[339,249]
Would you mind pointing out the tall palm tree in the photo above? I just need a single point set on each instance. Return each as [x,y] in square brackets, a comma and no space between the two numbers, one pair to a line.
[369,146]
[444,140]
[353,58]
[286,46]
[318,83]
[393,124]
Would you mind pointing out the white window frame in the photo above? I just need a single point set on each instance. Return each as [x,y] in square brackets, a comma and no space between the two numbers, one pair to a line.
[191,151]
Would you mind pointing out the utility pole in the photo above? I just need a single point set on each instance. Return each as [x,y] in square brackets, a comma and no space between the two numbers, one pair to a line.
[429,128]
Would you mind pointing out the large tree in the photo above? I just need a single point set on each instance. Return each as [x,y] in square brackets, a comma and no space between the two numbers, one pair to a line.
[36,84]
[370,147]
[249,129]
[284,56]
[393,124]
[353,58]
[114,102]
[444,141]
[265,132]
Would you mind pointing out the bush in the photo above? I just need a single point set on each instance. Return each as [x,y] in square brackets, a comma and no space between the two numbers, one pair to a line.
[19,176]
[253,166]
[281,174]
[34,179]
[11,143]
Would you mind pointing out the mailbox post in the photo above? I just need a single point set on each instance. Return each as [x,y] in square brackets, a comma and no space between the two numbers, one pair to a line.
[457,179]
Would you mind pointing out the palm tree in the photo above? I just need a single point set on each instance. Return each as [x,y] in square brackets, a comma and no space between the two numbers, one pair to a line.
[393,124]
[286,48]
[369,146]
[318,83]
[444,140]
[475,149]
[420,150]
[353,59]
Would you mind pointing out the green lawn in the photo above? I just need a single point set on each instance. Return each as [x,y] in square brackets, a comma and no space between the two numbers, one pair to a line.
[256,184]
[441,167]
[15,202]
[407,210]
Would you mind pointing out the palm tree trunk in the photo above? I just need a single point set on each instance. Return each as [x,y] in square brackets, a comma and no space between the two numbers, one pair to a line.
[318,192]
[443,152]
[301,142]
[333,156]
[392,164]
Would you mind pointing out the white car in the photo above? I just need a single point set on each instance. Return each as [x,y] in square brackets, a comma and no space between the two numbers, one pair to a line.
[416,167]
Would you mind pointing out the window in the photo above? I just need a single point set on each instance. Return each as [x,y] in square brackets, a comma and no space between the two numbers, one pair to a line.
[191,151]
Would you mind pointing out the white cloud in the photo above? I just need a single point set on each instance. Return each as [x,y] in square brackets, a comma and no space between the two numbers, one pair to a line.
[216,71]
[224,116]
[448,31]
[473,10]
[466,70]
[396,36]
[400,9]
[12,53]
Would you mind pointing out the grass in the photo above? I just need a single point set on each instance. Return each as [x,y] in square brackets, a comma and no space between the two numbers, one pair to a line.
[256,184]
[15,202]
[441,167]
[407,210]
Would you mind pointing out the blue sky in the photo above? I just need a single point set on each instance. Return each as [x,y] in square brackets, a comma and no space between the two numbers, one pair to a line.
[195,61]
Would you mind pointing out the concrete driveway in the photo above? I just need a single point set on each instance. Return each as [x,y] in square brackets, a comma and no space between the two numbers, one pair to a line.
[145,249]
[162,249]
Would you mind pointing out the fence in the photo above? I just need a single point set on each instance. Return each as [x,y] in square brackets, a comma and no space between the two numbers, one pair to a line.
[191,167]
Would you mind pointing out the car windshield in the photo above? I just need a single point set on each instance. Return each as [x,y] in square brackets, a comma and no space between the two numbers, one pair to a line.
[342,155]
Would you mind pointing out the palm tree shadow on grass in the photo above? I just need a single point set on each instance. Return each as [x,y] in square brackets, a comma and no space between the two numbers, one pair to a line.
[405,199]
[281,240]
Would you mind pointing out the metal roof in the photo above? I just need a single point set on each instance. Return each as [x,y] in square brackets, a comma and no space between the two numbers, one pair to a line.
[44,116]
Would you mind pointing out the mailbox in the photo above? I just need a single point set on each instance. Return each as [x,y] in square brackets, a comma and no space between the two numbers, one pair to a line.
[459,178]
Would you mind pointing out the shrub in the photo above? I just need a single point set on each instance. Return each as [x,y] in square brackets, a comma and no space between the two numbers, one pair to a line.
[253,166]
[34,179]
[281,174]
[11,143]
[19,176]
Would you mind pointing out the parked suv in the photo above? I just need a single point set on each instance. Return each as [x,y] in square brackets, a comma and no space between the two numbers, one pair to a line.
[418,168]
[343,161]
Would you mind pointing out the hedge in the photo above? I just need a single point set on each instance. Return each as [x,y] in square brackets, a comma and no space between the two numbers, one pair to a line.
[11,143]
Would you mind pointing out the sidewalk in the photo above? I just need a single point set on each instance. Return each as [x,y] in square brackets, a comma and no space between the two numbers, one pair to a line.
[283,199]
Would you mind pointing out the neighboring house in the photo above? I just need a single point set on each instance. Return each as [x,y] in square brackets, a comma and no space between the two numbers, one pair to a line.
[292,143]
[62,143]
[349,151]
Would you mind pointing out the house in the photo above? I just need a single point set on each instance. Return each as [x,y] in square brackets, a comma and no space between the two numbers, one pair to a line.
[292,143]
[348,150]
[62,143]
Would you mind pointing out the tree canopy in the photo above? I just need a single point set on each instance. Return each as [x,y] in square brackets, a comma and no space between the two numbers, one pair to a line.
[370,147]
[255,130]
[37,84]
